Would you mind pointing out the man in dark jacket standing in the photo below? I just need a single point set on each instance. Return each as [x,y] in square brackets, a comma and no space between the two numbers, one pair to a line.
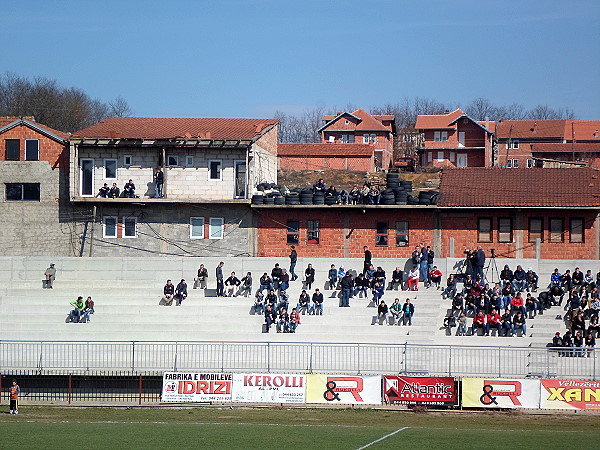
[368,257]
[347,284]
[478,263]
[220,284]
[293,261]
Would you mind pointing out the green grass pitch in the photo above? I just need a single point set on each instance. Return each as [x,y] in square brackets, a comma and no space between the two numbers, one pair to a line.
[291,428]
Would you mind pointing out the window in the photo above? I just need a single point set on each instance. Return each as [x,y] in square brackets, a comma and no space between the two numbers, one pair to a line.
[110,169]
[32,150]
[346,122]
[452,156]
[429,156]
[129,227]
[505,229]
[214,167]
[440,156]
[16,192]
[215,228]
[512,163]
[536,229]
[436,136]
[381,234]
[189,161]
[484,229]
[530,163]
[127,160]
[293,233]
[576,230]
[556,230]
[109,227]
[172,160]
[444,136]
[196,227]
[369,138]
[402,234]
[312,232]
[13,149]
[515,144]
[347,138]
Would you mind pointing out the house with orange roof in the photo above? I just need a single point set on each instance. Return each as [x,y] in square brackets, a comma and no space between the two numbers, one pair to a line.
[542,143]
[360,127]
[34,163]
[454,140]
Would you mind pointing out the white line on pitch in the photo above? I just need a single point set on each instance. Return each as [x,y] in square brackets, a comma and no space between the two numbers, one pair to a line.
[382,438]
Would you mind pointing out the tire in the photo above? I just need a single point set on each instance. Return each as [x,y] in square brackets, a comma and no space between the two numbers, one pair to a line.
[279,200]
[269,201]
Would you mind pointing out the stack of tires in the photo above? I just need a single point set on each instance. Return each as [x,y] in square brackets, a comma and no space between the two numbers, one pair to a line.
[400,196]
[278,199]
[410,200]
[406,186]
[306,197]
[393,182]
[292,198]
[388,197]
[269,201]
[319,198]
[258,199]
[428,197]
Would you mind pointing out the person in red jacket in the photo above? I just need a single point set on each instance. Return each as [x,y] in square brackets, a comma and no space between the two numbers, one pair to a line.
[478,322]
[294,320]
[493,320]
[517,304]
[436,277]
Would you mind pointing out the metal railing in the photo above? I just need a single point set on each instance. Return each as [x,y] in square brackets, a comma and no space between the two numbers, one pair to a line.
[142,357]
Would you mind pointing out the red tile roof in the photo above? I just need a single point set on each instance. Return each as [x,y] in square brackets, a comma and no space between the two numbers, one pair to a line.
[162,128]
[7,120]
[585,130]
[523,129]
[438,121]
[567,147]
[368,122]
[360,150]
[574,187]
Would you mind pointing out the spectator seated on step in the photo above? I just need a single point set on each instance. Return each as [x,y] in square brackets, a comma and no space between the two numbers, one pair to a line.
[435,276]
[507,325]
[104,191]
[449,322]
[332,277]
[129,188]
[467,284]
[382,312]
[458,305]
[284,301]
[493,320]
[231,285]
[396,311]
[413,279]
[531,306]
[578,343]
[588,281]
[397,279]
[378,291]
[168,293]
[246,285]
[275,276]
[450,289]
[331,192]
[590,343]
[200,281]
[519,322]
[508,292]
[114,191]
[303,302]
[317,306]
[361,285]
[270,317]
[265,282]
[532,280]
[462,325]
[379,276]
[181,292]
[78,306]
[284,280]
[259,301]
[566,281]
[478,322]
[507,275]
[370,275]
[271,299]
[408,310]
[578,323]
[577,280]
[517,304]
[354,196]
[519,279]
[341,273]
[294,320]
[319,186]
[470,305]
[283,321]
[88,310]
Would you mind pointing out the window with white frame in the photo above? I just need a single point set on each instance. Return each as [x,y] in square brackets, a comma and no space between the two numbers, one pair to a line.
[196,227]
[452,156]
[172,160]
[347,138]
[109,226]
[189,161]
[129,227]
[215,227]
[514,144]
[13,149]
[127,160]
[110,169]
[512,163]
[215,169]
[440,156]
[429,156]
[32,150]
[444,136]
[369,138]
[530,163]
[436,136]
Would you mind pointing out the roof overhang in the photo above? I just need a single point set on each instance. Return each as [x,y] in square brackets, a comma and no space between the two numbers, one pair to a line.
[33,126]
[176,142]
[336,118]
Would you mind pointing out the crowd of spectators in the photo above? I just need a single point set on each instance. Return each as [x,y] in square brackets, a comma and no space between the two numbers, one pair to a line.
[366,195]
[114,192]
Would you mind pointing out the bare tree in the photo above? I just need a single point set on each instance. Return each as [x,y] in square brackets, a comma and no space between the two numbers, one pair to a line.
[119,107]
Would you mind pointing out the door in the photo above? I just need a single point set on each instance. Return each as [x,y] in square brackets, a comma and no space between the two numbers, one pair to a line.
[86,176]
[461,160]
[240,179]
[461,138]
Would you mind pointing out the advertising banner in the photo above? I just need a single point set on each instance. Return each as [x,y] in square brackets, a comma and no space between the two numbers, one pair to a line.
[196,387]
[269,388]
[339,389]
[570,394]
[496,393]
[419,390]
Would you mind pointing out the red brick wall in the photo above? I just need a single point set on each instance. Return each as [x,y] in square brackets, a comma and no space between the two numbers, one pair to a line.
[269,140]
[272,231]
[462,226]
[475,158]
[50,150]
[320,163]
[384,140]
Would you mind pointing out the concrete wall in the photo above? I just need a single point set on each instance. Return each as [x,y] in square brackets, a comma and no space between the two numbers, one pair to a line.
[164,229]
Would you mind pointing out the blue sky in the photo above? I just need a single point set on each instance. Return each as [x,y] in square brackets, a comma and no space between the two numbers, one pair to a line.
[249,58]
